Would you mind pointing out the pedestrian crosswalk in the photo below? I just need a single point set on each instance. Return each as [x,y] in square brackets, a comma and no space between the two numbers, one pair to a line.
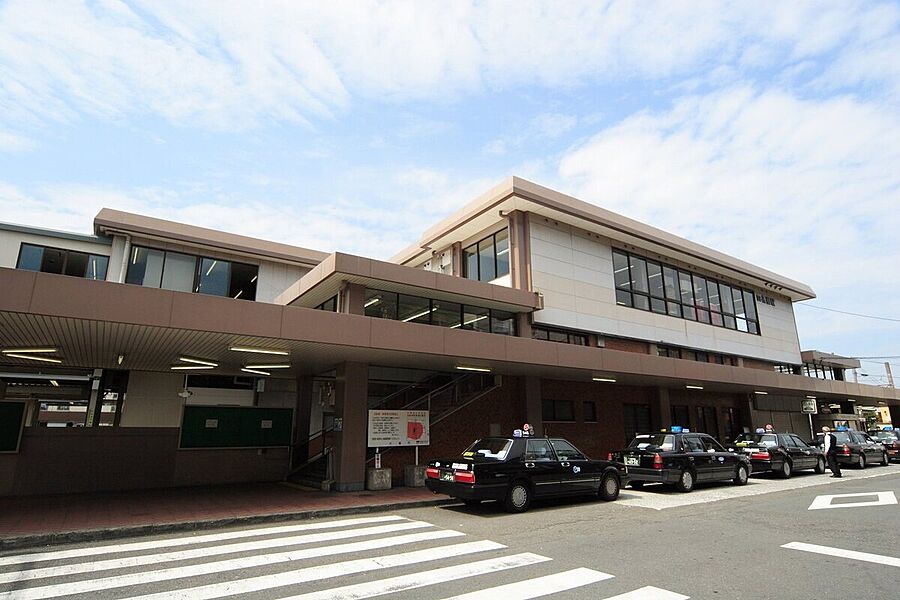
[367,557]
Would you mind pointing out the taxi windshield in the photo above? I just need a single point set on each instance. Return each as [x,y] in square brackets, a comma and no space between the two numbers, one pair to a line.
[489,448]
[883,435]
[758,439]
[658,441]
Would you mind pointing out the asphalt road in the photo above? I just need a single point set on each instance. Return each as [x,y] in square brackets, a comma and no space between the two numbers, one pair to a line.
[719,541]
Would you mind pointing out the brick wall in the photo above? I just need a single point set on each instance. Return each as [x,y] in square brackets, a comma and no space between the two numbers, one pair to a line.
[751,363]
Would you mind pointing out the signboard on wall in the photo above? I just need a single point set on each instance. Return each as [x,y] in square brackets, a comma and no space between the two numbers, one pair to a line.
[398,428]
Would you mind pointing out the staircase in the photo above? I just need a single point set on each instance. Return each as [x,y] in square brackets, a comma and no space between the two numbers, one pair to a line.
[442,394]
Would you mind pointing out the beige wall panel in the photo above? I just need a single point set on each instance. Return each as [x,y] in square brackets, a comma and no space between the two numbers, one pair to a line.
[589,294]
[275,278]
[152,400]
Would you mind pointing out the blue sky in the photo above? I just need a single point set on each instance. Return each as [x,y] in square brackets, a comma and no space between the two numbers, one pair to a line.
[766,130]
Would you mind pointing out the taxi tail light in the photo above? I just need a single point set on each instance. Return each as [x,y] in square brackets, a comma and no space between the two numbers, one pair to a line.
[609,456]
[762,455]
[464,476]
[657,461]
[845,450]
[432,473]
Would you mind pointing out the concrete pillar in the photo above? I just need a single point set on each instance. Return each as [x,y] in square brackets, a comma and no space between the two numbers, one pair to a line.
[523,325]
[533,406]
[353,298]
[302,410]
[661,410]
[350,406]
[456,258]
[519,250]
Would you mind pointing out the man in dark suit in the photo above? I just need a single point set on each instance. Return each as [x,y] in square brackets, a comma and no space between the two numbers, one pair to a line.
[831,444]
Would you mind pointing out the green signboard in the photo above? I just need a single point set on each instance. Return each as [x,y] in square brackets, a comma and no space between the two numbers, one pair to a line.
[12,417]
[235,427]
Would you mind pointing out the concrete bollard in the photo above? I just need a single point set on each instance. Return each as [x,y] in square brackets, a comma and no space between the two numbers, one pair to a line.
[378,479]
[414,475]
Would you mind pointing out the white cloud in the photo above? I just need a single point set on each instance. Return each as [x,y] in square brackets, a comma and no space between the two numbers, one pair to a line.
[232,65]
[808,188]
[13,143]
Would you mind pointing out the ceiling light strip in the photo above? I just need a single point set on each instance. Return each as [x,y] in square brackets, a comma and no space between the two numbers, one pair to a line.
[255,371]
[29,351]
[30,357]
[198,361]
[259,350]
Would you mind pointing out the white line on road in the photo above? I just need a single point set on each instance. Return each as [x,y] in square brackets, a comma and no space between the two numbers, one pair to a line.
[186,541]
[417,580]
[539,586]
[883,498]
[118,581]
[649,593]
[254,546]
[841,553]
[265,582]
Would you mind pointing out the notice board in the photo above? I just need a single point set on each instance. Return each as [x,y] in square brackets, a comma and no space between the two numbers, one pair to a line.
[235,427]
[398,428]
[12,419]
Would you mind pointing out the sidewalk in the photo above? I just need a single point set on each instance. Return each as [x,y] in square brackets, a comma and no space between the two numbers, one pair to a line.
[36,520]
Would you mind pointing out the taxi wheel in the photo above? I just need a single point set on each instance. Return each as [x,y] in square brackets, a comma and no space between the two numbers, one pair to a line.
[741,476]
[786,469]
[820,465]
[609,487]
[862,461]
[686,481]
[884,459]
[518,497]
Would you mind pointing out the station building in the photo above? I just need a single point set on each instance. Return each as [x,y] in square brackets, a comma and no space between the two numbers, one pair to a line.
[526,305]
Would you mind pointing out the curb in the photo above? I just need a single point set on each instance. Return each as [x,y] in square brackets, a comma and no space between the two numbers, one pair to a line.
[113,533]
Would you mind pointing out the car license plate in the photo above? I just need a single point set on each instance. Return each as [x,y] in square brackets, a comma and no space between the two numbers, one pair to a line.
[634,461]
[446,476]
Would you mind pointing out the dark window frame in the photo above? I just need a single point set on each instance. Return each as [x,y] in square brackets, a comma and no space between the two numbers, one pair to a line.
[553,415]
[467,251]
[198,262]
[494,316]
[572,337]
[689,304]
[66,252]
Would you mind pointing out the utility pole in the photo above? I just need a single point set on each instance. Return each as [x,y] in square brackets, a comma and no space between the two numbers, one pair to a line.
[890,376]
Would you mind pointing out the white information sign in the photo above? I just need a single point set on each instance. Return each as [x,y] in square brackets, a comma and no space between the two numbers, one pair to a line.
[398,428]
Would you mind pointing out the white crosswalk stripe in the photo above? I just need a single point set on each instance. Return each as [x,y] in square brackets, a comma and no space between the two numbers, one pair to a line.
[539,586]
[186,541]
[292,562]
[153,559]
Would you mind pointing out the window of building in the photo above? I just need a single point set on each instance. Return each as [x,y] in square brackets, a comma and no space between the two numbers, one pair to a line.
[487,259]
[181,272]
[589,411]
[636,418]
[668,351]
[707,421]
[818,371]
[558,410]
[63,262]
[330,305]
[416,309]
[647,285]
[681,415]
[557,335]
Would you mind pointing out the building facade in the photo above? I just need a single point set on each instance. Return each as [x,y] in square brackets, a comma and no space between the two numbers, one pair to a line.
[157,354]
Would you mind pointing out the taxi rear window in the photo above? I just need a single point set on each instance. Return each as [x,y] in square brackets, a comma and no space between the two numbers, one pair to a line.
[765,439]
[653,442]
[495,448]
[883,435]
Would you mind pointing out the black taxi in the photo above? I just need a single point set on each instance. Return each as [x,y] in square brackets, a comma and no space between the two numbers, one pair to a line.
[781,453]
[516,470]
[681,458]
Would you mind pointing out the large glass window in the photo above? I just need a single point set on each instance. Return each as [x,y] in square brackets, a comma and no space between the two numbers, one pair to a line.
[60,261]
[188,273]
[178,272]
[557,335]
[416,309]
[647,285]
[558,410]
[488,259]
